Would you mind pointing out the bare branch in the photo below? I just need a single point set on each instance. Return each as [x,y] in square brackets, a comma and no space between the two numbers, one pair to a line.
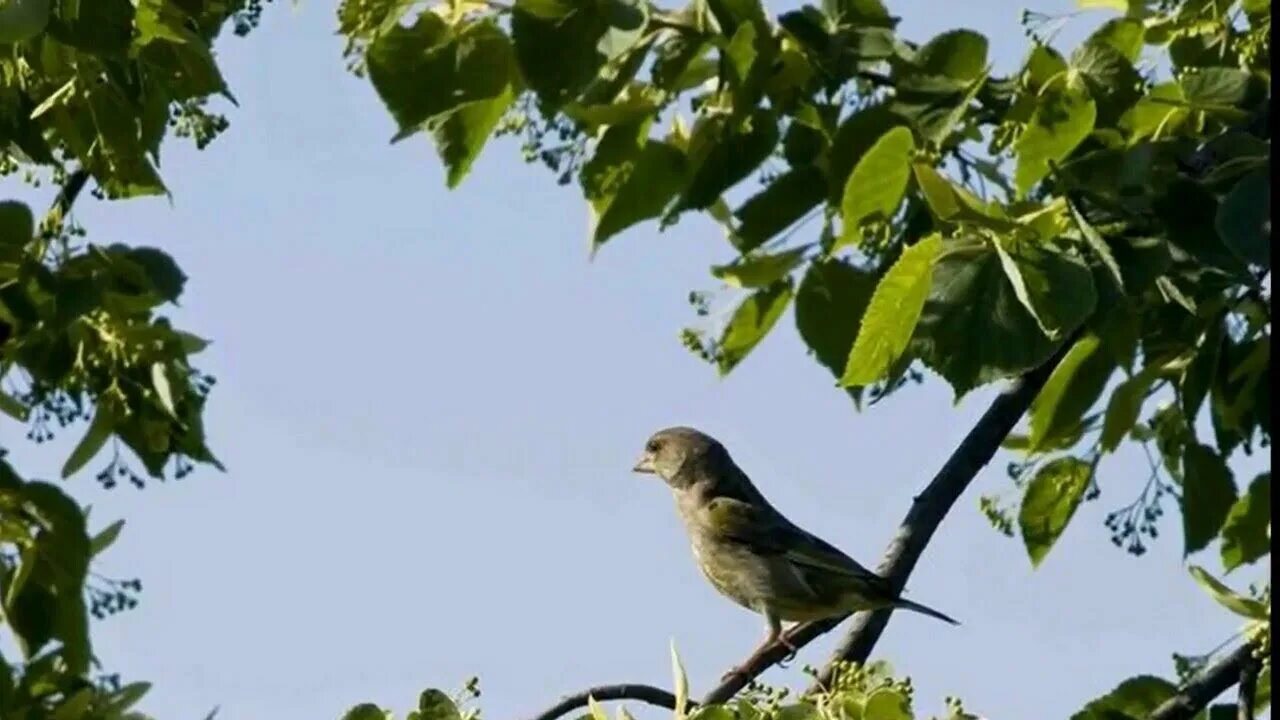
[1208,684]
[643,693]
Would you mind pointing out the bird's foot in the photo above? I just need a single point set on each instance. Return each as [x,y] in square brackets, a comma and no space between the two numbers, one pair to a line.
[785,642]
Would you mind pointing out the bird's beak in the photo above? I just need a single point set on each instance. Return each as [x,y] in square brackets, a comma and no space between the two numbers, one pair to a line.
[645,465]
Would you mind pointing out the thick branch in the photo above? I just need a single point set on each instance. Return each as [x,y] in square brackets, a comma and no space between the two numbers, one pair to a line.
[926,513]
[643,693]
[1208,684]
[1248,689]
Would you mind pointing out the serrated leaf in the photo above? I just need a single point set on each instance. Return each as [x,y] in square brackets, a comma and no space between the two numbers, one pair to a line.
[1228,598]
[1099,246]
[1246,533]
[1208,492]
[892,314]
[1050,501]
[729,153]
[877,183]
[759,270]
[1055,287]
[1062,119]
[95,436]
[753,319]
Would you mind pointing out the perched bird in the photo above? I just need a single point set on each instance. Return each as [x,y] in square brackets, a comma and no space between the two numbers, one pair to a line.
[750,552]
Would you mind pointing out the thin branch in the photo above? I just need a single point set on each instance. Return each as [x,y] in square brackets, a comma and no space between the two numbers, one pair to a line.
[643,693]
[1208,684]
[926,513]
[71,190]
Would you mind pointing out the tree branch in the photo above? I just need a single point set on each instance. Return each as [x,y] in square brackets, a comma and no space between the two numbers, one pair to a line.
[1248,689]
[644,693]
[926,513]
[1208,684]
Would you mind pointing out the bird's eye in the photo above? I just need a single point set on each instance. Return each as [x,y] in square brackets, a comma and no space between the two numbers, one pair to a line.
[653,446]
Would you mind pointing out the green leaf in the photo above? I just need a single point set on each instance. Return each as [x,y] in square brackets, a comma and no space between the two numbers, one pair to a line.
[971,298]
[469,66]
[366,711]
[95,436]
[1188,212]
[1244,218]
[1202,369]
[1062,119]
[760,270]
[433,704]
[119,159]
[1050,502]
[629,179]
[104,539]
[463,133]
[1099,246]
[680,683]
[10,406]
[1055,287]
[1074,386]
[877,184]
[1124,407]
[595,710]
[163,275]
[722,154]
[892,314]
[779,206]
[125,698]
[1133,699]
[1208,492]
[17,225]
[956,54]
[830,303]
[753,319]
[1124,35]
[558,54]
[1217,88]
[887,704]
[951,203]
[1228,598]
[21,20]
[1113,82]
[1158,115]
[855,136]
[160,383]
[1246,533]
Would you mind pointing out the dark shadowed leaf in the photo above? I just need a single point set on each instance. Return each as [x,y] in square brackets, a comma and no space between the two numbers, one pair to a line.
[830,303]
[779,205]
[956,54]
[1133,699]
[558,48]
[1054,286]
[1246,534]
[721,155]
[971,298]
[629,179]
[1208,492]
[1050,501]
[95,436]
[1244,218]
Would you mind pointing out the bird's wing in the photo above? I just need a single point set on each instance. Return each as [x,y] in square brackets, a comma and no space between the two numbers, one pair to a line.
[767,532]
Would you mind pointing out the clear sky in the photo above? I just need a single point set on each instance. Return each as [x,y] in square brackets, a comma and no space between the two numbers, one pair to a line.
[429,403]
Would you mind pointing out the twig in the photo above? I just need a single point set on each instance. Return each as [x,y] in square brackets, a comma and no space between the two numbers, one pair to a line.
[66,197]
[926,513]
[1208,684]
[644,693]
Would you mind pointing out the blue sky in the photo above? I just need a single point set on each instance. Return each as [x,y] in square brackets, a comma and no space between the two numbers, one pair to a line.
[429,402]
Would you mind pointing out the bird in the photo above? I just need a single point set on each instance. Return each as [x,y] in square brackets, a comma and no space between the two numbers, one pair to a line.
[751,553]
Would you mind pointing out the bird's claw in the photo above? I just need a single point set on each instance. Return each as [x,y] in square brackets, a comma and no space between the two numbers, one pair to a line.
[791,651]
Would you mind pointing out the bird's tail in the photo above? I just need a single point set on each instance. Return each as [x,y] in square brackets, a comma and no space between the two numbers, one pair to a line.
[925,610]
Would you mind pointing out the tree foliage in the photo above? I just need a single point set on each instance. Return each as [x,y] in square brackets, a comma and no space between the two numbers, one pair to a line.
[89,91]
[1111,202]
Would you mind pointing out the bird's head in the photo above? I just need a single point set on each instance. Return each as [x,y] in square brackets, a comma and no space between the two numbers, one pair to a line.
[680,456]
